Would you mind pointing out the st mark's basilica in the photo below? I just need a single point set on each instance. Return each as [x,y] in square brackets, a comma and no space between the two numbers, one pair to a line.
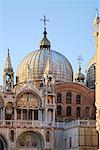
[48,108]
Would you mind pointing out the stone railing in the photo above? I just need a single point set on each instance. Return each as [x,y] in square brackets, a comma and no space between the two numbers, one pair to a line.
[77,123]
[29,123]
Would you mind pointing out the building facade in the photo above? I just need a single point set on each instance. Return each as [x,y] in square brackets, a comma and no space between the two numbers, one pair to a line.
[45,109]
[97,42]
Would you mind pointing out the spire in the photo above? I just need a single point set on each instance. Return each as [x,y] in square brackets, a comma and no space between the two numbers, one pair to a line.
[79,76]
[8,66]
[45,43]
[97,22]
[8,75]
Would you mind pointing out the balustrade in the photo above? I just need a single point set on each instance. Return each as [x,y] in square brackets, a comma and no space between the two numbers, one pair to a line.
[36,123]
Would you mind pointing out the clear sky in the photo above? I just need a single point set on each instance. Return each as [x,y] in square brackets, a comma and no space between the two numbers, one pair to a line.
[70,29]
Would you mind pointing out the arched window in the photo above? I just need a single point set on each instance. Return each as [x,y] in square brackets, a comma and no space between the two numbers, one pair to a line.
[29,114]
[78,112]
[59,98]
[1,113]
[68,98]
[69,111]
[18,113]
[47,136]
[41,85]
[87,111]
[78,99]
[1,102]
[24,114]
[1,108]
[35,114]
[12,135]
[59,110]
[9,112]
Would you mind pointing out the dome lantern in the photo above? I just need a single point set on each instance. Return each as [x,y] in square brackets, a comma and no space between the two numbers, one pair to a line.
[45,43]
[79,76]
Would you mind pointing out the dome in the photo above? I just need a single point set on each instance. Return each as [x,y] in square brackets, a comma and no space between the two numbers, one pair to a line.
[79,77]
[92,61]
[59,66]
[90,77]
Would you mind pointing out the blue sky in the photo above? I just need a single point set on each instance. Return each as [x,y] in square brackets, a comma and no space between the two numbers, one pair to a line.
[70,29]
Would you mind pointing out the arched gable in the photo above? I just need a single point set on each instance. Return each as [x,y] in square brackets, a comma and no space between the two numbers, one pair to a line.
[29,97]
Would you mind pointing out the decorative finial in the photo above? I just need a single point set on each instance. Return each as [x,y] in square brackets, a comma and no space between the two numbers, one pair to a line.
[45,43]
[97,12]
[44,20]
[79,76]
[8,50]
[80,59]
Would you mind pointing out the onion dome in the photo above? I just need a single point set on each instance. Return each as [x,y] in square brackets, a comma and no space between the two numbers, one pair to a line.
[79,76]
[90,73]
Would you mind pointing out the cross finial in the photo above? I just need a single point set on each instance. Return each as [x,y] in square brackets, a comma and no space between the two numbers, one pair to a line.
[44,20]
[80,59]
[8,50]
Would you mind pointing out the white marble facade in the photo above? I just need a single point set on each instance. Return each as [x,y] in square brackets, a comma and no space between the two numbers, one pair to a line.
[28,109]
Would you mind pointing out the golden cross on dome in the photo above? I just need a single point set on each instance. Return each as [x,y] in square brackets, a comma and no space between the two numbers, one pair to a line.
[44,20]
